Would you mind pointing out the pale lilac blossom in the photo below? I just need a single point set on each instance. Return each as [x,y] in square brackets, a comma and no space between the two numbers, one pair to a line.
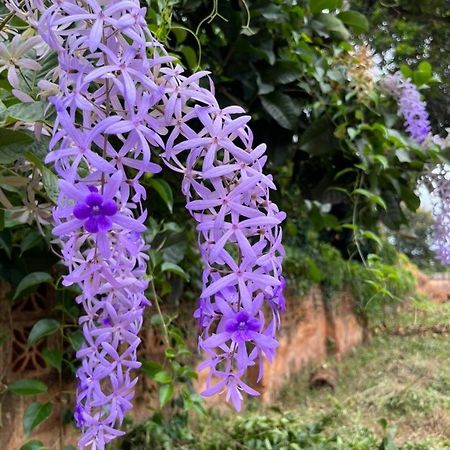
[411,106]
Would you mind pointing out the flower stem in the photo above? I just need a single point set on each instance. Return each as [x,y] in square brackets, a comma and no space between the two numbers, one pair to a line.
[158,308]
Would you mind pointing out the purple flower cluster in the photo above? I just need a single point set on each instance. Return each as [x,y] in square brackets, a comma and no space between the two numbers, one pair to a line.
[411,106]
[239,234]
[100,148]
[115,107]
[439,182]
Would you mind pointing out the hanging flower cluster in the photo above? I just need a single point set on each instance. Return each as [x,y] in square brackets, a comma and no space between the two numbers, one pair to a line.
[115,106]
[100,148]
[239,235]
[437,181]
[441,214]
[410,104]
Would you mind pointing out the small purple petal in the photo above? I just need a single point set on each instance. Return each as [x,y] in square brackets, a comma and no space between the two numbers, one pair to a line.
[81,211]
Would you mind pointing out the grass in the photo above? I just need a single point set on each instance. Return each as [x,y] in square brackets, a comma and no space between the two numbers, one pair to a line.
[391,394]
[403,379]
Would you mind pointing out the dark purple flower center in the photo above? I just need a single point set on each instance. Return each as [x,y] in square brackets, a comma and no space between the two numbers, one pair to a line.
[95,211]
[241,324]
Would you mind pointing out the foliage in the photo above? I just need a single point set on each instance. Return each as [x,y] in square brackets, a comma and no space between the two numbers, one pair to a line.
[316,264]
[292,65]
[420,32]
[379,287]
[414,239]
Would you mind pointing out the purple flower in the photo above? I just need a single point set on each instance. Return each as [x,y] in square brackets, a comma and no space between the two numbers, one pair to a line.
[411,106]
[94,211]
[241,326]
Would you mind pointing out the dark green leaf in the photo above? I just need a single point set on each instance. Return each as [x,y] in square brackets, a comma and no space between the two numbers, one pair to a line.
[76,340]
[174,268]
[41,329]
[319,138]
[53,358]
[317,6]
[13,145]
[164,190]
[4,338]
[30,240]
[27,387]
[30,282]
[33,445]
[34,415]
[282,109]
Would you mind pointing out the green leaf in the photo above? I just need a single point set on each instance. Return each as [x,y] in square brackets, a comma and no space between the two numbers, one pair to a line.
[50,182]
[12,144]
[402,155]
[282,109]
[190,57]
[31,281]
[174,268]
[25,112]
[425,67]
[41,329]
[355,20]
[179,32]
[30,240]
[164,190]
[319,137]
[382,160]
[33,445]
[170,353]
[372,236]
[165,394]
[27,387]
[53,358]
[49,179]
[317,6]
[405,70]
[76,340]
[150,368]
[163,377]
[374,198]
[423,74]
[34,415]
[334,26]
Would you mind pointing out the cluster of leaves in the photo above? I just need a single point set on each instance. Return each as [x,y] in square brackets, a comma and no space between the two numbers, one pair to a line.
[405,33]
[379,287]
[289,67]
